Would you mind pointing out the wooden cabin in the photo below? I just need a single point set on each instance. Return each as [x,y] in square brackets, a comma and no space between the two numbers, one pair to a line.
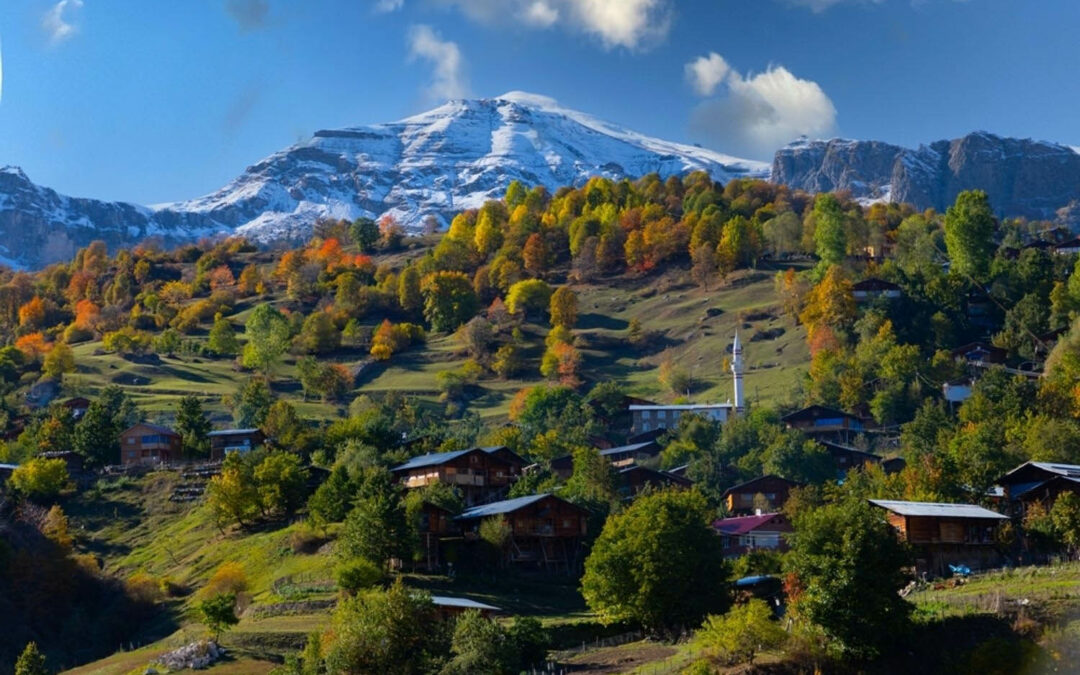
[847,458]
[436,524]
[625,455]
[481,474]
[77,407]
[546,531]
[739,499]
[945,534]
[980,353]
[224,441]
[632,479]
[1040,482]
[146,443]
[818,421]
[743,534]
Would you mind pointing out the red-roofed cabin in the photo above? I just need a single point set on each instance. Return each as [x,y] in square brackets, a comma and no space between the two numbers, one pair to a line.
[748,533]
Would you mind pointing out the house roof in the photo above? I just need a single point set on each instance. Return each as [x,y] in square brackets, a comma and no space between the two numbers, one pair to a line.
[666,475]
[462,603]
[742,486]
[846,448]
[232,432]
[9,467]
[744,524]
[814,412]
[153,427]
[937,509]
[437,458]
[683,406]
[874,284]
[629,448]
[505,506]
[1070,470]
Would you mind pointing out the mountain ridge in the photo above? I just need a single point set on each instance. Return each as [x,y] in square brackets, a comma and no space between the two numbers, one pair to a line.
[455,156]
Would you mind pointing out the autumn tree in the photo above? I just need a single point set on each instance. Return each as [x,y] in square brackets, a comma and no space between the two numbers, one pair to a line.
[59,360]
[409,296]
[449,300]
[535,255]
[528,297]
[563,308]
[830,304]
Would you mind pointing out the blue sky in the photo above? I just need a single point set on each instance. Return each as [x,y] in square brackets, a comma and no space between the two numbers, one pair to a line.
[151,100]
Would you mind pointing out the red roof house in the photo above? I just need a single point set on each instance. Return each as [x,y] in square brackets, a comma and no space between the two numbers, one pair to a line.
[746,533]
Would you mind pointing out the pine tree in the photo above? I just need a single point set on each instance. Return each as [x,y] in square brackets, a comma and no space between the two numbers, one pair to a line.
[193,426]
[31,661]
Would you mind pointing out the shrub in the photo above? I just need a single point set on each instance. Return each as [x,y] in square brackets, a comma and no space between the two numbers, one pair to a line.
[228,578]
[304,540]
[740,634]
[356,575]
[40,478]
[144,588]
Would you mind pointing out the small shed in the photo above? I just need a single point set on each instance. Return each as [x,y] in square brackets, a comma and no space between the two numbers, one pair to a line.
[224,441]
[450,607]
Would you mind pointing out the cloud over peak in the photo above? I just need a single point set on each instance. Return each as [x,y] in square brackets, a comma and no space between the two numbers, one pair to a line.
[757,113]
[448,78]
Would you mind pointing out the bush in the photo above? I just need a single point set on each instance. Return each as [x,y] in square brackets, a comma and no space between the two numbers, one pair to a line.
[228,578]
[739,635]
[40,478]
[144,588]
[356,575]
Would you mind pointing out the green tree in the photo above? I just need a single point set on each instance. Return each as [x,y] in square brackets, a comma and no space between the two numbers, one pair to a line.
[281,482]
[251,404]
[267,334]
[218,613]
[449,300]
[480,646]
[657,563]
[563,308]
[1065,517]
[97,436]
[222,340]
[528,297]
[59,360]
[356,575]
[375,529]
[365,232]
[391,631]
[409,296]
[739,635]
[830,233]
[193,426]
[849,564]
[233,494]
[318,335]
[31,661]
[969,234]
[331,501]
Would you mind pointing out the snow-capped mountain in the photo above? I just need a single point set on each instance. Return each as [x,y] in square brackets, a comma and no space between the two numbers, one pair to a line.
[454,157]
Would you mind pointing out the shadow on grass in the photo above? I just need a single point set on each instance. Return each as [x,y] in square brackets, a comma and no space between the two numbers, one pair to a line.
[594,320]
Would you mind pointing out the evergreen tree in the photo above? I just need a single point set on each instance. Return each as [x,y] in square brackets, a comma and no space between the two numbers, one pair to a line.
[193,426]
[97,436]
[31,661]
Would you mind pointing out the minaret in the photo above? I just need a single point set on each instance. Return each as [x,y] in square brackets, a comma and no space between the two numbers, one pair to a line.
[737,371]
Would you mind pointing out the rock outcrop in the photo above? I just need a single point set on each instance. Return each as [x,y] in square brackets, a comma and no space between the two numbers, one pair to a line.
[1023,177]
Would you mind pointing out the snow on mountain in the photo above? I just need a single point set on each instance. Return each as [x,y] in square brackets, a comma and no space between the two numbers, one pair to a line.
[454,157]
[436,163]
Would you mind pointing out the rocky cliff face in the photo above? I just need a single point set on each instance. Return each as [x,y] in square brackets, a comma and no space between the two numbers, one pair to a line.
[1023,177]
[454,157]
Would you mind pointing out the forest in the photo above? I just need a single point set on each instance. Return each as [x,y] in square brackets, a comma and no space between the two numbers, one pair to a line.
[508,295]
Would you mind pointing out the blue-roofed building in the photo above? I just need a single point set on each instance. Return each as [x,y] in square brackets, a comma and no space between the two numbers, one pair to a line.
[545,531]
[481,474]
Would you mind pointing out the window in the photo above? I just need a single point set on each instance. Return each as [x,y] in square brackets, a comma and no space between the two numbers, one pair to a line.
[131,440]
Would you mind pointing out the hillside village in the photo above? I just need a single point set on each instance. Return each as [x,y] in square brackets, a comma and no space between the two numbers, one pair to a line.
[206,443]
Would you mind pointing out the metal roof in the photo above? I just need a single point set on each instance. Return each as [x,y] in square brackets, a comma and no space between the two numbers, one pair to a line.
[499,508]
[1071,470]
[464,603]
[682,406]
[627,448]
[438,458]
[232,432]
[937,509]
[9,467]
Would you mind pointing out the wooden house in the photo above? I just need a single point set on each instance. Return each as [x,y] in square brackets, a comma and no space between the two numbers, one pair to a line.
[77,407]
[945,534]
[435,524]
[146,443]
[1040,482]
[224,441]
[818,422]
[632,479]
[625,455]
[546,531]
[563,467]
[980,353]
[481,474]
[847,458]
[739,499]
[743,534]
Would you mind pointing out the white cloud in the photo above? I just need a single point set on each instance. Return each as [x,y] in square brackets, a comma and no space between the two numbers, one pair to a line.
[448,76]
[386,6]
[706,73]
[632,24]
[57,26]
[541,14]
[822,5]
[756,114]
